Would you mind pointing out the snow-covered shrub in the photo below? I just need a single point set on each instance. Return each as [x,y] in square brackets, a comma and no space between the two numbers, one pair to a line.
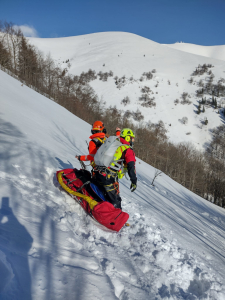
[104,76]
[184,120]
[185,102]
[146,89]
[184,96]
[147,75]
[221,80]
[191,80]
[125,101]
[88,76]
[120,82]
[147,101]
[137,116]
[201,83]
[127,114]
[211,77]
[185,99]
[200,70]
[200,92]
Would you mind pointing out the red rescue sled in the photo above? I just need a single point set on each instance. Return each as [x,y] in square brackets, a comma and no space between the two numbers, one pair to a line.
[77,184]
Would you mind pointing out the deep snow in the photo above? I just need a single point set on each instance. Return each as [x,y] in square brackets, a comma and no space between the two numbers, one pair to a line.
[50,249]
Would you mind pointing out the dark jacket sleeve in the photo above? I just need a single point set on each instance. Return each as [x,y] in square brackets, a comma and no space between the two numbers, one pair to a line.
[132,172]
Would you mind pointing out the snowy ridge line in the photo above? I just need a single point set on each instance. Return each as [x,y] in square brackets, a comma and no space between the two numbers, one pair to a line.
[216,52]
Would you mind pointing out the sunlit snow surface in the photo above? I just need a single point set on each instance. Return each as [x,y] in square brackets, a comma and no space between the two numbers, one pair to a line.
[132,55]
[217,52]
[50,249]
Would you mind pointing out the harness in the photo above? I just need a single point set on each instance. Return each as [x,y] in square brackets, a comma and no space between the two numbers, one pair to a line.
[98,142]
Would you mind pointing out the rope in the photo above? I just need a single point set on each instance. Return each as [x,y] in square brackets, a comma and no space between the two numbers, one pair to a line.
[92,203]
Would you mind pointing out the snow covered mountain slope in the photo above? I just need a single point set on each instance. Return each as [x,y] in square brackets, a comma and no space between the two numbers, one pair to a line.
[217,52]
[130,55]
[50,249]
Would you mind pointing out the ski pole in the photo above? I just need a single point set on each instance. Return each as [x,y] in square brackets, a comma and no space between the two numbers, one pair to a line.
[83,166]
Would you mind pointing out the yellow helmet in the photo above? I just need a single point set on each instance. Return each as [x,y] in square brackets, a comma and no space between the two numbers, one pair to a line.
[127,134]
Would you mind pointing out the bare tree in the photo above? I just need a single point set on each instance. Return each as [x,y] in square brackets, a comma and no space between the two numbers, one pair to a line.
[157,173]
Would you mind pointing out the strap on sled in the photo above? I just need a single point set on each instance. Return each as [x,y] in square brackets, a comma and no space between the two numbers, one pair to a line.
[92,203]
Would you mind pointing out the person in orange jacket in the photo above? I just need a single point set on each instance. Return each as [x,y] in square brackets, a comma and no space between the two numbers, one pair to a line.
[98,137]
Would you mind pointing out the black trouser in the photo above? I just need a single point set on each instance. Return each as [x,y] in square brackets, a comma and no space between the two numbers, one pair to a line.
[110,188]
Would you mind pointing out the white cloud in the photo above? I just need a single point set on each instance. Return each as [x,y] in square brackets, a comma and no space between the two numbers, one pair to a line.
[28,31]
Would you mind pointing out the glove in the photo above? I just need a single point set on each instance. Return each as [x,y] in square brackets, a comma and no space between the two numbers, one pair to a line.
[78,157]
[120,174]
[133,187]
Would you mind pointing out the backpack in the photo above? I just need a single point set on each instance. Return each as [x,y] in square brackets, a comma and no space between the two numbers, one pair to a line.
[104,155]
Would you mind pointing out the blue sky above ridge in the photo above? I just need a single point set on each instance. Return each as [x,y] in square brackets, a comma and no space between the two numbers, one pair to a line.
[194,21]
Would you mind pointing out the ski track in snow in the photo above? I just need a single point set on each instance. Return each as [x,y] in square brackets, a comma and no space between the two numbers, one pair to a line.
[144,265]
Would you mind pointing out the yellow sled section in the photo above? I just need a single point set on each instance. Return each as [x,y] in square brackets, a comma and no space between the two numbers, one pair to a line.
[92,203]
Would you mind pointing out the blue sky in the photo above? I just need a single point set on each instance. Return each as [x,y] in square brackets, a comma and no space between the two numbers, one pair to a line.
[199,22]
